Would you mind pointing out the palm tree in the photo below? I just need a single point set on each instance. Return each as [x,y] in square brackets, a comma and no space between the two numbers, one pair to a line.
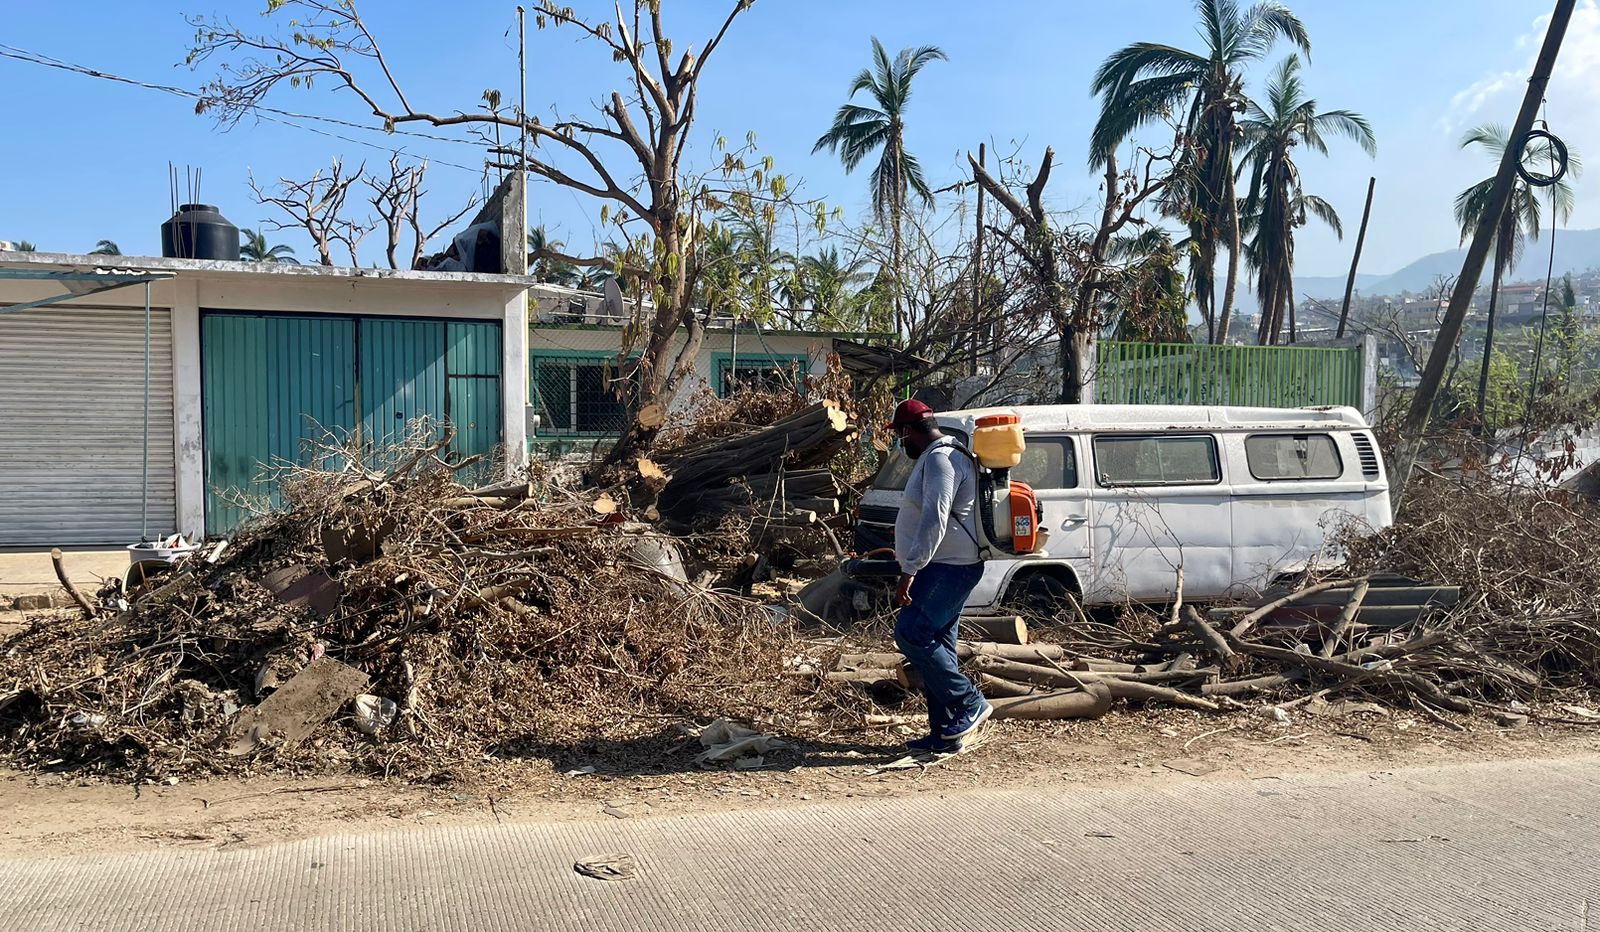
[1148,81]
[1150,298]
[546,268]
[824,283]
[1276,204]
[255,249]
[765,269]
[23,245]
[106,247]
[859,131]
[1521,221]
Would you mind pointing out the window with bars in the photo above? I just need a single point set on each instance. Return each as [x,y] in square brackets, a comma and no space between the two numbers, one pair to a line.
[574,395]
[759,371]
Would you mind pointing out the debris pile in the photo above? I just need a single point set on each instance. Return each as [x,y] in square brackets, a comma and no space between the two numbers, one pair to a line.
[396,621]
[1514,635]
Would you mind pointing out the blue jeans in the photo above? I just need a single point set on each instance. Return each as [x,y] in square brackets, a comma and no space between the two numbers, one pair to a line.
[926,633]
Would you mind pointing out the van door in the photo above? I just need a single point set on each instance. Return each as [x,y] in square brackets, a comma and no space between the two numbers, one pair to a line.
[1050,465]
[1160,501]
[1291,490]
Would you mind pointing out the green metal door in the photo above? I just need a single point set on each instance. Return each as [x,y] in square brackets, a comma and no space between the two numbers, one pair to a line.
[472,393]
[275,391]
[402,378]
[280,390]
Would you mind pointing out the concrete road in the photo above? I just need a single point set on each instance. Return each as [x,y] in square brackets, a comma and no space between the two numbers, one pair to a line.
[1483,847]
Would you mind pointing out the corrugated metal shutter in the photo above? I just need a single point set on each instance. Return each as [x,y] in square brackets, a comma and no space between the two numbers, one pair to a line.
[71,426]
[402,377]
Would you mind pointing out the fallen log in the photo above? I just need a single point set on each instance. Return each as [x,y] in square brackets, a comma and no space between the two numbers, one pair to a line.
[1045,676]
[994,687]
[1247,687]
[1002,629]
[1345,618]
[1149,692]
[1093,701]
[870,675]
[1209,636]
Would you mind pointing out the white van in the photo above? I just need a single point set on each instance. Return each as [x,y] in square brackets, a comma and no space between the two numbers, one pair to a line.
[1239,497]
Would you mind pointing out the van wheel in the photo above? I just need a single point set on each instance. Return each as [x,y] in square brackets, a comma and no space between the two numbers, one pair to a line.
[1043,595]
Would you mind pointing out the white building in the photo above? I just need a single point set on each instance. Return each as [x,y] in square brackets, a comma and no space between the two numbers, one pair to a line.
[249,363]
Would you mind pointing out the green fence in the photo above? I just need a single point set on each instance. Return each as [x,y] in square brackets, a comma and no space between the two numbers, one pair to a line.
[1203,374]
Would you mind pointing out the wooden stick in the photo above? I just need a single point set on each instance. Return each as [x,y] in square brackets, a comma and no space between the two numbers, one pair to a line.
[861,676]
[1246,687]
[1131,689]
[66,583]
[1208,636]
[1345,618]
[1256,614]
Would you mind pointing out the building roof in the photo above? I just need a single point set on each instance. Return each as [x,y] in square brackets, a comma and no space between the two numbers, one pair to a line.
[1169,417]
[288,271]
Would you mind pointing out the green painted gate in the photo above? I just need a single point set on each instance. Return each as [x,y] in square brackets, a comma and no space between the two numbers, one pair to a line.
[274,387]
[1204,374]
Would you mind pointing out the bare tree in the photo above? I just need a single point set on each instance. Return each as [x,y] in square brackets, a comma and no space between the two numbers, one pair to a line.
[398,201]
[1072,267]
[316,205]
[638,173]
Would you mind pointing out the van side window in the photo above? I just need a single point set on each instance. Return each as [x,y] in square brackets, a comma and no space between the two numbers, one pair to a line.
[1293,456]
[1160,460]
[1048,463]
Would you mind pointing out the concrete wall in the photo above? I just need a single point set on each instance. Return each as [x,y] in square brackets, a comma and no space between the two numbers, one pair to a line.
[236,286]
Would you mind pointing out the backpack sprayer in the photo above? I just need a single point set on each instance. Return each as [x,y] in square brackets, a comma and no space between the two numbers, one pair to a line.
[1010,518]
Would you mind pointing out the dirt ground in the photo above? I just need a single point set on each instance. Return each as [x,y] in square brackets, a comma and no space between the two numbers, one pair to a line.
[48,814]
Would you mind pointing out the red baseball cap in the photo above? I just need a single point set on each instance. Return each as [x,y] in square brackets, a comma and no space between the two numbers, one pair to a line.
[908,412]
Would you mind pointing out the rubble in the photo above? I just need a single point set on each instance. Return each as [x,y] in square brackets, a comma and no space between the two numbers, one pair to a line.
[499,624]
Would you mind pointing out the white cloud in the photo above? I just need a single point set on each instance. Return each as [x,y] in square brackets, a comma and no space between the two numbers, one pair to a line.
[1574,90]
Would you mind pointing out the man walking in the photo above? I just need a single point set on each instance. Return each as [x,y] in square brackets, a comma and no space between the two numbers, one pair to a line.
[936,542]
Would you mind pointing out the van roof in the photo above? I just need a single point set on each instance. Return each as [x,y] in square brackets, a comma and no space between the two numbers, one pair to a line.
[1169,417]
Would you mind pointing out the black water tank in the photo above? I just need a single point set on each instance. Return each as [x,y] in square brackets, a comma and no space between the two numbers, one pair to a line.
[199,231]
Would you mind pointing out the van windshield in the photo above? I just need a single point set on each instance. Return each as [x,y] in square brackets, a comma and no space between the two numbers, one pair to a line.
[896,470]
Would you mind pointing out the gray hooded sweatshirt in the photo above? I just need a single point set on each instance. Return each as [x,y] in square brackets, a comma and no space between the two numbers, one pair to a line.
[937,522]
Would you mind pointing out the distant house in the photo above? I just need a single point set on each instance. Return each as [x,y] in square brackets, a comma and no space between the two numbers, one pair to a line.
[249,364]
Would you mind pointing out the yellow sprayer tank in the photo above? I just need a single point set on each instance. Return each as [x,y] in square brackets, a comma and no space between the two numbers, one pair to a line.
[997,441]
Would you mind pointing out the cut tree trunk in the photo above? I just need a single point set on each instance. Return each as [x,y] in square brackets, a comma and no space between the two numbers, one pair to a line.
[1001,629]
[1093,701]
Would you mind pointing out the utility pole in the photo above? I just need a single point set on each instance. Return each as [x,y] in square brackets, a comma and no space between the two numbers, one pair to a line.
[977,279]
[1361,239]
[1416,420]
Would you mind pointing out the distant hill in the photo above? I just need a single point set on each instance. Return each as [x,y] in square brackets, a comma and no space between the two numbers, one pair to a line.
[1576,251]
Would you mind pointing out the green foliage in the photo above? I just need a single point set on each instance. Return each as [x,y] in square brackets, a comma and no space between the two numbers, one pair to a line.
[1150,301]
[547,268]
[106,247]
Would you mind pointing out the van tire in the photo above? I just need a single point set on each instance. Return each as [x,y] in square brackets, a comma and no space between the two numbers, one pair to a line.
[1045,593]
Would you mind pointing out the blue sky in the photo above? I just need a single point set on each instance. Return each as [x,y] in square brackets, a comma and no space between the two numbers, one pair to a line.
[83,159]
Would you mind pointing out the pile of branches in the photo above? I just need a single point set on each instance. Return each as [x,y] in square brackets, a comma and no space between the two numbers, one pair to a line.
[1482,602]
[494,624]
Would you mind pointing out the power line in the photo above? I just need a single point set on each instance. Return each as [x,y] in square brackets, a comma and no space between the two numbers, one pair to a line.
[283,117]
